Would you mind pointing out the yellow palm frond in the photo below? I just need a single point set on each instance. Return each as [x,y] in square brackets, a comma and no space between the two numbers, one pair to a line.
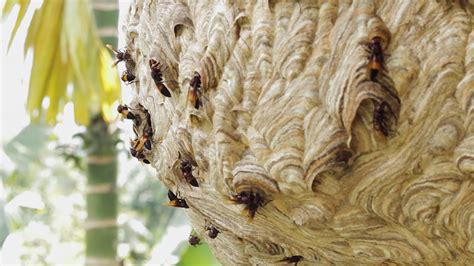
[66,51]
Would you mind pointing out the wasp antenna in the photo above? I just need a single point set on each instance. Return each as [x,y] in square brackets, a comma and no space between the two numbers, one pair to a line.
[115,63]
[112,48]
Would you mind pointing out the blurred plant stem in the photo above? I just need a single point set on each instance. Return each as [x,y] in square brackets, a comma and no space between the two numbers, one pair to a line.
[102,199]
[101,194]
[67,51]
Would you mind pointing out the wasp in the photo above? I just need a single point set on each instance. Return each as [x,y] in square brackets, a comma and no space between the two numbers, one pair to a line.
[194,92]
[143,141]
[134,152]
[194,240]
[175,201]
[251,200]
[211,231]
[125,112]
[380,118]
[139,155]
[137,147]
[292,259]
[187,171]
[138,144]
[119,55]
[157,77]
[127,77]
[376,59]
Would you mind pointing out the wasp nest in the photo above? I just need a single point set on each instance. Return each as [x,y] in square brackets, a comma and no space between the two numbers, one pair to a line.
[351,121]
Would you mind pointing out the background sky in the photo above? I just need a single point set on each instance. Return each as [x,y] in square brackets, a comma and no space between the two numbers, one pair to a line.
[15,77]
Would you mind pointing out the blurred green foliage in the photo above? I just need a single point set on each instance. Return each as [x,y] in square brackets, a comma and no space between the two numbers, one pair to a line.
[43,205]
[25,147]
[199,255]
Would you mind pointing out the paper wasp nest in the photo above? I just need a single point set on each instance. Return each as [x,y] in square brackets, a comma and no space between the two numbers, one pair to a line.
[288,111]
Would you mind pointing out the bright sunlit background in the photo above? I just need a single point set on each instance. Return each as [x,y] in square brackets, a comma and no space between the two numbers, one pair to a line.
[42,203]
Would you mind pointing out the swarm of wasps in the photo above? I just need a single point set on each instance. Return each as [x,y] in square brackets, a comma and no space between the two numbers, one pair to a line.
[143,142]
[156,72]
[141,146]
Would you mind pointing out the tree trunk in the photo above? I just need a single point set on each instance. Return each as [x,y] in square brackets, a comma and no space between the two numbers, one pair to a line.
[102,200]
[101,223]
[354,166]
